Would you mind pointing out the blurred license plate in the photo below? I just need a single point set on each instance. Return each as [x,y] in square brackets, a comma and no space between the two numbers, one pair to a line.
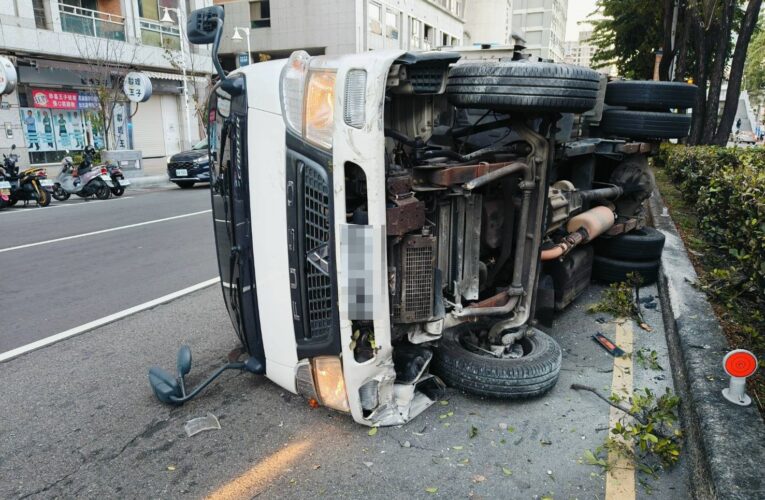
[46,182]
[181,172]
[124,182]
[5,185]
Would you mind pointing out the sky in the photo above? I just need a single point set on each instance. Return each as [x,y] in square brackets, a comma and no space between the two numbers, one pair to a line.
[577,11]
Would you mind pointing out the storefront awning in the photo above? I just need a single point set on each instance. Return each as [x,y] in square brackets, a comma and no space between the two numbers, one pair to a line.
[158,75]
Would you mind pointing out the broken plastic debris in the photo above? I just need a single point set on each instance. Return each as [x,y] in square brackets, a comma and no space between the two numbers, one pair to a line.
[196,425]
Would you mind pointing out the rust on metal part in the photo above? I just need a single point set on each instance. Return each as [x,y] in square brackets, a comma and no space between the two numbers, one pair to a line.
[495,301]
[449,176]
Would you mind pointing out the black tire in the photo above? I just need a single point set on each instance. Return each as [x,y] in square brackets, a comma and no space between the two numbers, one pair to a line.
[640,244]
[530,376]
[185,184]
[103,192]
[118,191]
[645,124]
[608,270]
[650,95]
[44,198]
[59,193]
[12,202]
[523,86]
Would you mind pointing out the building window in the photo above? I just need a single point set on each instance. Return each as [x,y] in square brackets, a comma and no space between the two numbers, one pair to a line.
[41,20]
[414,34]
[260,14]
[391,25]
[375,18]
[430,37]
[444,39]
[457,8]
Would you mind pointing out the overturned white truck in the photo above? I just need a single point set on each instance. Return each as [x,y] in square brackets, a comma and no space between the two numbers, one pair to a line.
[389,220]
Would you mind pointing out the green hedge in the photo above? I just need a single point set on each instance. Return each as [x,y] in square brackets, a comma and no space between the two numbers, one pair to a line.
[726,187]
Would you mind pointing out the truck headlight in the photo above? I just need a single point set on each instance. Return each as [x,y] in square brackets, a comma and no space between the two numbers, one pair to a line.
[308,100]
[322,380]
[320,108]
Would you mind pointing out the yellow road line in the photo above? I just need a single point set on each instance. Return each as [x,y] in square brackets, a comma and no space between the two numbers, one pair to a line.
[620,480]
[259,477]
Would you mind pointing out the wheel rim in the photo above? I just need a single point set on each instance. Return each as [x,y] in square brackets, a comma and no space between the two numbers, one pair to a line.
[471,342]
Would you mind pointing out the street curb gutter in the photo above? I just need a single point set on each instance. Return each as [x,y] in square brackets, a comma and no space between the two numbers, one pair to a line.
[725,443]
[150,181]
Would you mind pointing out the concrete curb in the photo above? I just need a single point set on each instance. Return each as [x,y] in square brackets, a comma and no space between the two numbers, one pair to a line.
[724,442]
[150,181]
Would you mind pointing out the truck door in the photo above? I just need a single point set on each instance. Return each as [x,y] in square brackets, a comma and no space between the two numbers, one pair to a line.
[229,183]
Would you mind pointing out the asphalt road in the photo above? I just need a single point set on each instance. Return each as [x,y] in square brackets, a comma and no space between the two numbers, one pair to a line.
[50,286]
[78,420]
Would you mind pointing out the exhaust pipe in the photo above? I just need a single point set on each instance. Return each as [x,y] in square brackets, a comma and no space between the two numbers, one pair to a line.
[583,228]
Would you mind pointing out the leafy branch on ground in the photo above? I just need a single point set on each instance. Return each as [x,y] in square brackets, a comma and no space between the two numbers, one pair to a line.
[647,434]
[622,300]
[648,359]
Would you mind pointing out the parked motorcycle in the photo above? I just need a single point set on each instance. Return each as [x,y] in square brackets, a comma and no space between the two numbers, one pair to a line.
[85,180]
[5,191]
[118,179]
[26,185]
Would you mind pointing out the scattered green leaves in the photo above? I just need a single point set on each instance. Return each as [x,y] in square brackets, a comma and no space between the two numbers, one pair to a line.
[648,359]
[506,471]
[431,489]
[472,432]
[372,431]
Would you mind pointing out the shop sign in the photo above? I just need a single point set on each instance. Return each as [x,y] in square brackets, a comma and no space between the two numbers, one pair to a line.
[8,76]
[63,99]
[137,87]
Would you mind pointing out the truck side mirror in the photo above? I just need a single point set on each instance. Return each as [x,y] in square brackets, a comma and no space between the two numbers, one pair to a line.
[203,25]
[206,26]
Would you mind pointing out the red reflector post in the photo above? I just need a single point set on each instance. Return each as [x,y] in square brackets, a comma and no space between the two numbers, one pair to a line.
[739,364]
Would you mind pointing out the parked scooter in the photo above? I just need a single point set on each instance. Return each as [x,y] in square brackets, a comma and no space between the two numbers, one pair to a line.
[85,180]
[25,185]
[118,179]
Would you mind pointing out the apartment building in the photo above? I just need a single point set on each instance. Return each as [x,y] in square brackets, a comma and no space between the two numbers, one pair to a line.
[543,25]
[580,52]
[489,22]
[63,48]
[279,27]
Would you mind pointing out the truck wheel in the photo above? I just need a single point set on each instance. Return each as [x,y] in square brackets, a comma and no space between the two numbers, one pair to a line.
[650,95]
[523,87]
[640,244]
[608,270]
[479,373]
[645,124]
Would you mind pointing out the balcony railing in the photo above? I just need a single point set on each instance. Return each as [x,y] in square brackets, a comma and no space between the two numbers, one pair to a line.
[156,34]
[91,22]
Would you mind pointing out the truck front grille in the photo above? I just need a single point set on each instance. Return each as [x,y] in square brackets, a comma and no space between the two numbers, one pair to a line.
[417,270]
[318,286]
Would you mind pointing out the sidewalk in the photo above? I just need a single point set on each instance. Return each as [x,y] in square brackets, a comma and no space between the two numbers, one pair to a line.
[154,174]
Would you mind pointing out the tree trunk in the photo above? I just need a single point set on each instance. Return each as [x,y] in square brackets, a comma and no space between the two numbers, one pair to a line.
[712,107]
[700,75]
[748,25]
[681,42]
[668,51]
